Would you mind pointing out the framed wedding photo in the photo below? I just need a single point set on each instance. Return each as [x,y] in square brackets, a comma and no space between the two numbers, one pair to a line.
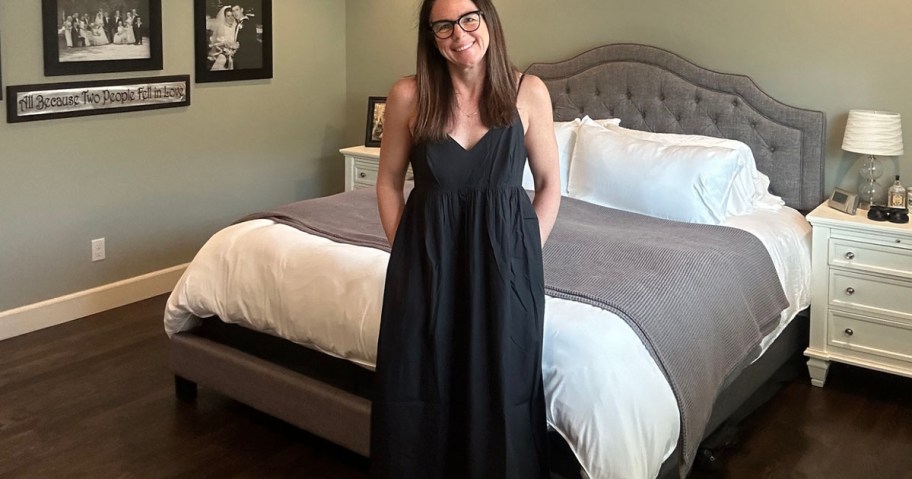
[376,106]
[233,40]
[101,36]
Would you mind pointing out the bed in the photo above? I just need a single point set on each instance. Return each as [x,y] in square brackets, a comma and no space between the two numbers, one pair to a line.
[324,387]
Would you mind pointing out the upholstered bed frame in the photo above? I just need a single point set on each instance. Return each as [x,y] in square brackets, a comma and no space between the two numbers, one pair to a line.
[654,90]
[648,89]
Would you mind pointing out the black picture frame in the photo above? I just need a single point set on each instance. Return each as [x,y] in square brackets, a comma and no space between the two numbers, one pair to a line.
[218,56]
[373,133]
[68,54]
[67,100]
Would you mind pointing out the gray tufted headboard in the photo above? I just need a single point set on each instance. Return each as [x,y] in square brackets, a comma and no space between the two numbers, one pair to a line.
[653,89]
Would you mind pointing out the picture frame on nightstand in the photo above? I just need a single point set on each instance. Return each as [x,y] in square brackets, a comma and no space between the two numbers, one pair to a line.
[376,106]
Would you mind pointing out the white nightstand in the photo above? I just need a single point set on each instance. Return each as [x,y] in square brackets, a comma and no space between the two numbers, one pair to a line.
[360,166]
[861,294]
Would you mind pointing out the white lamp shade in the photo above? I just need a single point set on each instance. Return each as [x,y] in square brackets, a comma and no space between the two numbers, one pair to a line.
[873,133]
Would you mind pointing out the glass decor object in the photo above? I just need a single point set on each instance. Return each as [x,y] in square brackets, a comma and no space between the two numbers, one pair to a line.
[872,133]
[896,195]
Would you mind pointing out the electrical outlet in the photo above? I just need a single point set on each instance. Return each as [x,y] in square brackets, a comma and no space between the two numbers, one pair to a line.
[98,249]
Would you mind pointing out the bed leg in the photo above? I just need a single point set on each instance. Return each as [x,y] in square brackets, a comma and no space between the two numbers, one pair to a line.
[713,448]
[707,460]
[184,389]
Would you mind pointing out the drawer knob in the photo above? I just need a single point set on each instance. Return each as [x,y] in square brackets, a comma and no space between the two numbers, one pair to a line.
[850,291]
[850,255]
[362,175]
[849,332]
[899,241]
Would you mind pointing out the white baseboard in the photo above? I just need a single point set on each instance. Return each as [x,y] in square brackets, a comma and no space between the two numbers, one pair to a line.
[32,317]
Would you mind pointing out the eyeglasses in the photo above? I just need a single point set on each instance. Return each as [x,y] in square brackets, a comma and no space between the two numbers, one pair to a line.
[468,22]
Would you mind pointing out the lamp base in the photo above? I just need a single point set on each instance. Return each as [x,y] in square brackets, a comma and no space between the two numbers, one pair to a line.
[870,192]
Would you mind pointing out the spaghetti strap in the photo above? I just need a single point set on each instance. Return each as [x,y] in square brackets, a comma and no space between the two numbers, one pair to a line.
[522,76]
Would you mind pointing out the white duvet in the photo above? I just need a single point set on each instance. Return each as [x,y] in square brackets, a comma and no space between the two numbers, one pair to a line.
[604,392]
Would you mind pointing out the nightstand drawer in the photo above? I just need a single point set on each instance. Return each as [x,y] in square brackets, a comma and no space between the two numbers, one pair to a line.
[365,173]
[900,239]
[870,257]
[871,293]
[871,336]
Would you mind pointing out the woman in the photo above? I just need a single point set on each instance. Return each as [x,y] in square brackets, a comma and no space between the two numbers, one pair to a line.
[98,34]
[120,36]
[85,32]
[223,41]
[459,388]
[130,38]
[67,31]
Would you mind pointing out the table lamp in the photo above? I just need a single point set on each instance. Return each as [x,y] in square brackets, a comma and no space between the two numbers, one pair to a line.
[872,133]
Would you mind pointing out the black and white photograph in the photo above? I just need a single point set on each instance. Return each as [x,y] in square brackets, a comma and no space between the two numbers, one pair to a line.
[233,40]
[376,106]
[96,36]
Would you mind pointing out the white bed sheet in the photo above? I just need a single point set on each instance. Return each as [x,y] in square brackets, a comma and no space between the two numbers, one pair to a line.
[604,392]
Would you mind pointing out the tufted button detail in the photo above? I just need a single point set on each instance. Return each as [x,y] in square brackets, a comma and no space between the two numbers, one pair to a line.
[753,124]
[568,89]
[629,95]
[610,112]
[772,149]
[678,118]
[735,103]
[697,99]
[662,97]
[582,110]
[597,92]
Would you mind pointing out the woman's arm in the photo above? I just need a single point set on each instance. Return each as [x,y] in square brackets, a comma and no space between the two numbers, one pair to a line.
[542,150]
[394,154]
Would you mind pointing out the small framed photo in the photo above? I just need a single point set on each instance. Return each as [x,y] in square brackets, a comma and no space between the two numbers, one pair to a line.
[376,105]
[100,36]
[233,40]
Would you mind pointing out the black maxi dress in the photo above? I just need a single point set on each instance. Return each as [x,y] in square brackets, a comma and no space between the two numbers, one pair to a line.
[459,386]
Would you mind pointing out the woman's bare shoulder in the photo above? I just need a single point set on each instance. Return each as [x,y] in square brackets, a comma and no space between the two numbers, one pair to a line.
[533,99]
[532,88]
[404,91]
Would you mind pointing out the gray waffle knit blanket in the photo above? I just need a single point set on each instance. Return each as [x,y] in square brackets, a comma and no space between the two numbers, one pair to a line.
[701,297]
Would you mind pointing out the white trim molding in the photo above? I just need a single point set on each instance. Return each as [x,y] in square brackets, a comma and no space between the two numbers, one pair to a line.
[32,317]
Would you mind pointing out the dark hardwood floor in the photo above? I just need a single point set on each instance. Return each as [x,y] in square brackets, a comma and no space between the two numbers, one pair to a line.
[94,398]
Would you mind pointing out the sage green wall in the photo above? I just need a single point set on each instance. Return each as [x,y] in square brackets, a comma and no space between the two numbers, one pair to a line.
[157,184]
[828,55]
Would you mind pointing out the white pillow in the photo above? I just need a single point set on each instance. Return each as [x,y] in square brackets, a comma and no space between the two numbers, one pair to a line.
[751,187]
[565,133]
[678,182]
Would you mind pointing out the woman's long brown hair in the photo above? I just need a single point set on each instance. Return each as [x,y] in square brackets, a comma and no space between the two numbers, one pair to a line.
[435,88]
